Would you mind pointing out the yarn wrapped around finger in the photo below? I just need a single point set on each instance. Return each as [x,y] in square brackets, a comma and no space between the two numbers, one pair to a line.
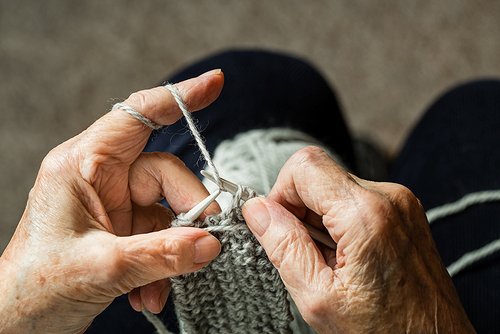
[137,115]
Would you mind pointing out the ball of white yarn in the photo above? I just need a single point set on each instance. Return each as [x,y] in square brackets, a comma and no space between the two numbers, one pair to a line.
[254,158]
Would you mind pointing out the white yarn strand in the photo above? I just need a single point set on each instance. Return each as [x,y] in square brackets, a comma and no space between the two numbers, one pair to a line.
[462,204]
[470,258]
[137,115]
[156,322]
[152,318]
[194,130]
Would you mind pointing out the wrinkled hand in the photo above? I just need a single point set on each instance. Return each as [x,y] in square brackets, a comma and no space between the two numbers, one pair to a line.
[93,229]
[385,276]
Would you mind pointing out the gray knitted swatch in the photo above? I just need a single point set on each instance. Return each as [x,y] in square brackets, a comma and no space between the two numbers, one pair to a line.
[239,292]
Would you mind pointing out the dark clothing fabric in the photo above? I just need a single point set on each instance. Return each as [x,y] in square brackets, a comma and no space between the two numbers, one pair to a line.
[261,90]
[451,152]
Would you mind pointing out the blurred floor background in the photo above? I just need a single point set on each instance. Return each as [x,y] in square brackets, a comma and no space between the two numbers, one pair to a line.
[63,62]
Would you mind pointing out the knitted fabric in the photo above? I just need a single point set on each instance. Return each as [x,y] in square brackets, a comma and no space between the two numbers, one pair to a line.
[241,291]
[238,292]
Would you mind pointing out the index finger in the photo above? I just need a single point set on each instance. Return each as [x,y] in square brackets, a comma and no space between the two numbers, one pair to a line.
[310,183]
[158,104]
[118,136]
[310,179]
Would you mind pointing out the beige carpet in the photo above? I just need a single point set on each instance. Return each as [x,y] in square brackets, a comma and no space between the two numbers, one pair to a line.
[62,62]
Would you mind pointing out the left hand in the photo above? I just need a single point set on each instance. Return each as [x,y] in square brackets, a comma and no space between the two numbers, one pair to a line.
[93,229]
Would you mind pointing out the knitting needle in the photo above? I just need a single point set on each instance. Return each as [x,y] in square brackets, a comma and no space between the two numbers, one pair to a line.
[232,188]
[227,186]
[199,208]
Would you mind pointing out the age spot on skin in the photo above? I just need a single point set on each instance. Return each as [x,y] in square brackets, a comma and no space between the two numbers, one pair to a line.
[41,280]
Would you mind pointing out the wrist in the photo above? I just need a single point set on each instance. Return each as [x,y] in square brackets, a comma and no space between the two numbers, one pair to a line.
[439,311]
[28,304]
[15,308]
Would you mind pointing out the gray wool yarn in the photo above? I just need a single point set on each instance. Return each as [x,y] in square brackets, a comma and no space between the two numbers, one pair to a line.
[241,291]
[238,292]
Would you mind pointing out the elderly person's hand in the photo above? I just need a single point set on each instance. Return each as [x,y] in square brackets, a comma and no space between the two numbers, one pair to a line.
[93,229]
[385,276]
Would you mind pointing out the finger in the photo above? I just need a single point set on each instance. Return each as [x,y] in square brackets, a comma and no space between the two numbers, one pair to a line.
[154,295]
[146,258]
[398,194]
[134,298]
[162,175]
[118,137]
[407,205]
[151,218]
[290,248]
[311,180]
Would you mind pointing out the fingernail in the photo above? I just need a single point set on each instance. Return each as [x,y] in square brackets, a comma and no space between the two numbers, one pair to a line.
[212,72]
[256,215]
[206,248]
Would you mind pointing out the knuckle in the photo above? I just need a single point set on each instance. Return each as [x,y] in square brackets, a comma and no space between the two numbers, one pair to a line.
[406,196]
[402,192]
[316,308]
[314,160]
[91,164]
[114,270]
[32,194]
[309,155]
[376,209]
[167,158]
[142,101]
[55,162]
[110,267]
[142,259]
[177,256]
[374,203]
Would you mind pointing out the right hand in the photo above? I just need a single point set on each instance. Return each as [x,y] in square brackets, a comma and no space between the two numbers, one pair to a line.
[386,274]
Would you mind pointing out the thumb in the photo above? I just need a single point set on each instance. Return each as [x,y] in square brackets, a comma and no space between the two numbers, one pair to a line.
[150,257]
[289,247]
